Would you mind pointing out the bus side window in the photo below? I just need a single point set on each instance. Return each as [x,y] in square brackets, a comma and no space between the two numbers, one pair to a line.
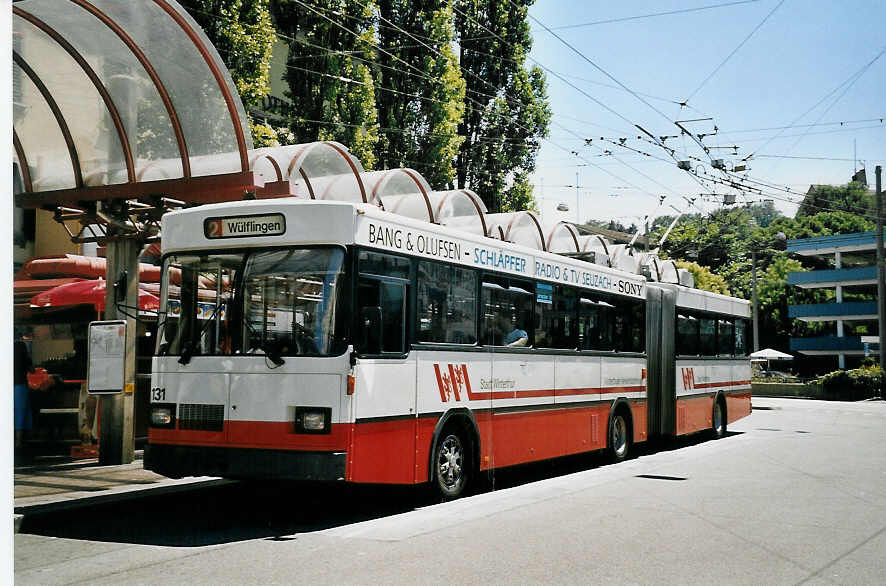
[741,346]
[382,293]
[598,323]
[555,317]
[725,337]
[387,300]
[446,304]
[507,311]
[708,336]
[687,335]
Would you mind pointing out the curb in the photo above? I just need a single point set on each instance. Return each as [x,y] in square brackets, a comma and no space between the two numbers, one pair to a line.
[42,505]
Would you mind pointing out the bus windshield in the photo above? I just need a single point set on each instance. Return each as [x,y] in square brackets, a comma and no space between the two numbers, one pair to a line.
[277,302]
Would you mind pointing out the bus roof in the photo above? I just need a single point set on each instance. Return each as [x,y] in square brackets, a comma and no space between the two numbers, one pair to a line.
[294,221]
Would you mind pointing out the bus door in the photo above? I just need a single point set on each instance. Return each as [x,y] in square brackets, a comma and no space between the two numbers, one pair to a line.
[661,362]
[383,442]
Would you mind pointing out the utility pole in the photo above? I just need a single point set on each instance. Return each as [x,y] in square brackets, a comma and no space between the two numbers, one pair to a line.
[754,298]
[881,282]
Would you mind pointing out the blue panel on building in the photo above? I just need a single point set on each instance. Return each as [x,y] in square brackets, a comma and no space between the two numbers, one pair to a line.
[859,239]
[833,309]
[833,275]
[826,343]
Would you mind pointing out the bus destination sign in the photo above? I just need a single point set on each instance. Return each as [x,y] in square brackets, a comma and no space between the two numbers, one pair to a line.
[243,226]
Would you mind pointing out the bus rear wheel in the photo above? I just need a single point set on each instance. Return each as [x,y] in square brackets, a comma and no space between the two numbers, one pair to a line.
[452,469]
[718,419]
[619,442]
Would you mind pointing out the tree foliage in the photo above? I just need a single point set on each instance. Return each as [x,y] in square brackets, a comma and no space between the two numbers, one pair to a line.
[328,72]
[823,224]
[704,278]
[612,225]
[852,197]
[518,196]
[421,90]
[506,103]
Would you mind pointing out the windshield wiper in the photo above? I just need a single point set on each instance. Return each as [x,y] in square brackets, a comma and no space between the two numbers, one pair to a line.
[190,348]
[270,353]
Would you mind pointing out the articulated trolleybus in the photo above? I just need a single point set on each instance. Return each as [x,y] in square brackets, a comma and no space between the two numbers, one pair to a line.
[333,341]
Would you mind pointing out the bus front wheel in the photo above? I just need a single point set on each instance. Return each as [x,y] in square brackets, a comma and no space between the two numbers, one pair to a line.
[451,464]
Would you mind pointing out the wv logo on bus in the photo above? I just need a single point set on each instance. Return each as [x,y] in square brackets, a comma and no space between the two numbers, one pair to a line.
[688,379]
[452,380]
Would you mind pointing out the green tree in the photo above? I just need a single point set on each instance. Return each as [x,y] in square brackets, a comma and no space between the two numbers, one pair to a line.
[506,104]
[328,71]
[704,278]
[724,241]
[775,295]
[421,98]
[852,197]
[823,224]
[612,225]
[764,213]
[518,196]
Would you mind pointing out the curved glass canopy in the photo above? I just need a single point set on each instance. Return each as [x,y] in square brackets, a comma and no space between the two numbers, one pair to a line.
[315,170]
[402,191]
[562,237]
[518,227]
[594,243]
[462,209]
[111,96]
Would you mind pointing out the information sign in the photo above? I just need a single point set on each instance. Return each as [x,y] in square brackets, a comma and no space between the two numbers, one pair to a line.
[107,350]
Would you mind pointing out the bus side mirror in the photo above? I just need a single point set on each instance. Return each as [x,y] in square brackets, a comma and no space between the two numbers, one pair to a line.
[372,328]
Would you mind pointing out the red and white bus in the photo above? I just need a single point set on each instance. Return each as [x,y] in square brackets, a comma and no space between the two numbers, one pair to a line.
[338,342]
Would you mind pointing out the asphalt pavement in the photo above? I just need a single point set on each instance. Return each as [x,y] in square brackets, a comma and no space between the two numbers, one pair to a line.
[795,494]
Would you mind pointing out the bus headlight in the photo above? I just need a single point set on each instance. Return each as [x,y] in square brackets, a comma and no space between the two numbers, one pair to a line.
[313,419]
[162,415]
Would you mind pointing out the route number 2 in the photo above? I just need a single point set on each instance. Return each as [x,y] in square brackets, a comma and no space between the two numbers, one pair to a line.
[158,394]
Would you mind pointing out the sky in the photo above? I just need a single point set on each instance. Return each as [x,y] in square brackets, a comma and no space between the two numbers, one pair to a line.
[793,63]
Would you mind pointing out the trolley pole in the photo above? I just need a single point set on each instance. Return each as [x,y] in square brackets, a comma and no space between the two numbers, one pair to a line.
[881,282]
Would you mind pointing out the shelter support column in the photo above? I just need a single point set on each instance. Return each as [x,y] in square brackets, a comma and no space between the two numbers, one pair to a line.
[117,443]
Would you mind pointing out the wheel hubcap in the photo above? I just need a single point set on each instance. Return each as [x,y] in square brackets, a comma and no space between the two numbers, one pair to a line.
[718,418]
[619,436]
[450,462]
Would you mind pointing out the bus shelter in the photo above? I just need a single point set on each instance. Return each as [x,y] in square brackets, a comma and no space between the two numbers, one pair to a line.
[121,111]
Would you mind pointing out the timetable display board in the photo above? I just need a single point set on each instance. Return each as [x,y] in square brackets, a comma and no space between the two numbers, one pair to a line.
[107,351]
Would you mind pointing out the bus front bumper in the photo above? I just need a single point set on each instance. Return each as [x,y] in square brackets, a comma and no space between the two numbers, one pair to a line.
[179,461]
